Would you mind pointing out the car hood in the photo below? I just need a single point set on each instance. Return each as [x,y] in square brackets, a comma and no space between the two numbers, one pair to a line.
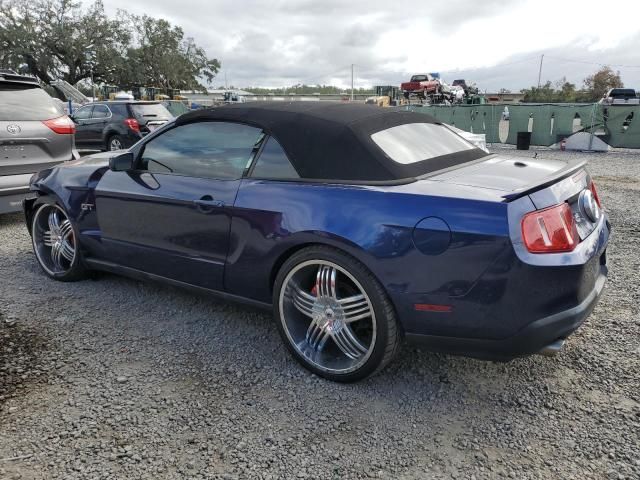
[82,173]
[502,173]
[94,160]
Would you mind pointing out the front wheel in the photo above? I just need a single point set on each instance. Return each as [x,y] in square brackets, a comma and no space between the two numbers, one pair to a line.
[55,243]
[334,315]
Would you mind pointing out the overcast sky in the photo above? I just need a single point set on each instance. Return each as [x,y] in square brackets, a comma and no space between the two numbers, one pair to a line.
[496,43]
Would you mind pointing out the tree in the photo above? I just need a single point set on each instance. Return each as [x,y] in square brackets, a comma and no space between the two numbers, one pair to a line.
[302,89]
[58,39]
[542,94]
[54,39]
[162,57]
[566,91]
[599,83]
[560,92]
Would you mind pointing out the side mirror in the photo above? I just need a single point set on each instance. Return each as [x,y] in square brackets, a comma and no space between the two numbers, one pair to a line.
[122,162]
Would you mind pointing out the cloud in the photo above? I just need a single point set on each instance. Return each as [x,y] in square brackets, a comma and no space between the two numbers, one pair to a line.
[276,43]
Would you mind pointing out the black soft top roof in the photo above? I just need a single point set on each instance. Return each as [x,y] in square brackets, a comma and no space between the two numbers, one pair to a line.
[332,141]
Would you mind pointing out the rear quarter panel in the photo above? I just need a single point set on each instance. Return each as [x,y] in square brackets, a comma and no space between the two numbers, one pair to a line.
[374,224]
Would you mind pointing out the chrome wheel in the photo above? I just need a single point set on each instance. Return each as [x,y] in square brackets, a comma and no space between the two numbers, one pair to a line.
[327,316]
[115,144]
[54,242]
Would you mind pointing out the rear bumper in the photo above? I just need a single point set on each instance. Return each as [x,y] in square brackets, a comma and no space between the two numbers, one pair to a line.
[13,189]
[529,340]
[13,202]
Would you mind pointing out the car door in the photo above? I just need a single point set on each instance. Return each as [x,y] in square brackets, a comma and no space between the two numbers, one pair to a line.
[100,116]
[171,215]
[82,117]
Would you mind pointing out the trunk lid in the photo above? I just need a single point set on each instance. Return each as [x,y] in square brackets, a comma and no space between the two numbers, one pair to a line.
[29,146]
[26,143]
[512,177]
[150,116]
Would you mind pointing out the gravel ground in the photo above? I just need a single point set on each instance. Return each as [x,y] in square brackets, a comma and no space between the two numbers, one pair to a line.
[113,379]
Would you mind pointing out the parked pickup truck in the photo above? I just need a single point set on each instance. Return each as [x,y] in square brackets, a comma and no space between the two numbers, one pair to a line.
[620,96]
[421,85]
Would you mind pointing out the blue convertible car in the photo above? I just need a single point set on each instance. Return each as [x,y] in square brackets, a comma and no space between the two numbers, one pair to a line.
[359,226]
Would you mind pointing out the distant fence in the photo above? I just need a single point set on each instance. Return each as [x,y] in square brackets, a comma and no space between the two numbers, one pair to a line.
[619,126]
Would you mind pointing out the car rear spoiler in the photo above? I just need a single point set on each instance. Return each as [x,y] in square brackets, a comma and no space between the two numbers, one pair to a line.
[571,168]
[18,79]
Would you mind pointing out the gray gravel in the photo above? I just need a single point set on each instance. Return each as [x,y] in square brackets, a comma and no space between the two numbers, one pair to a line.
[113,378]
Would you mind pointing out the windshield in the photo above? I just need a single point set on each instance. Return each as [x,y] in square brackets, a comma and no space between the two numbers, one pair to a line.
[19,103]
[150,111]
[419,78]
[415,142]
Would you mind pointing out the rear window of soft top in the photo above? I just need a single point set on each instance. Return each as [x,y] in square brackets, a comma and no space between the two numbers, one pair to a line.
[415,142]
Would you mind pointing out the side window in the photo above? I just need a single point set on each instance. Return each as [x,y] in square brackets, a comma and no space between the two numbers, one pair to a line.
[273,162]
[119,109]
[205,149]
[100,111]
[82,113]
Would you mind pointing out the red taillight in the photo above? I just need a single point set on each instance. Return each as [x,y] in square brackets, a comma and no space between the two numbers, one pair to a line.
[62,125]
[133,124]
[550,230]
[592,187]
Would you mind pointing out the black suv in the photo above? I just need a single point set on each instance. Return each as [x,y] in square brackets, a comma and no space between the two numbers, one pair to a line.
[118,124]
[35,134]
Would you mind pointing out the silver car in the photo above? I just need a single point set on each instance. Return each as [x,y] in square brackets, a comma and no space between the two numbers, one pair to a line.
[35,134]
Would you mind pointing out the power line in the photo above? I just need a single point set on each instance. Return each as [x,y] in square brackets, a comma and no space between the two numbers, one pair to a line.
[593,63]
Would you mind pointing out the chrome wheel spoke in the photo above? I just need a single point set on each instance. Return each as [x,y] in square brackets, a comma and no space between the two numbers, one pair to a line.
[303,301]
[66,230]
[47,239]
[67,250]
[326,281]
[54,221]
[317,336]
[355,308]
[346,341]
[56,255]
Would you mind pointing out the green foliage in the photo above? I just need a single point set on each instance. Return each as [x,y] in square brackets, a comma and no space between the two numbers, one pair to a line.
[595,86]
[309,90]
[162,57]
[599,83]
[54,39]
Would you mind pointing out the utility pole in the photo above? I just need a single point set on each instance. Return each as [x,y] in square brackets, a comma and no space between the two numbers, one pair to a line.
[540,70]
[352,82]
[93,86]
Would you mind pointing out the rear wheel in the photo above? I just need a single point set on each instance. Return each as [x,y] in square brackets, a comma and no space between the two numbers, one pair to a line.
[115,142]
[334,316]
[55,243]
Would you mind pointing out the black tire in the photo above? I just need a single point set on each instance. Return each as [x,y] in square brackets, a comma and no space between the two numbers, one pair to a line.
[116,142]
[76,269]
[388,335]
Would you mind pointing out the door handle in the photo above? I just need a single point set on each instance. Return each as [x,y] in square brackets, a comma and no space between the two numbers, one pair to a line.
[208,202]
